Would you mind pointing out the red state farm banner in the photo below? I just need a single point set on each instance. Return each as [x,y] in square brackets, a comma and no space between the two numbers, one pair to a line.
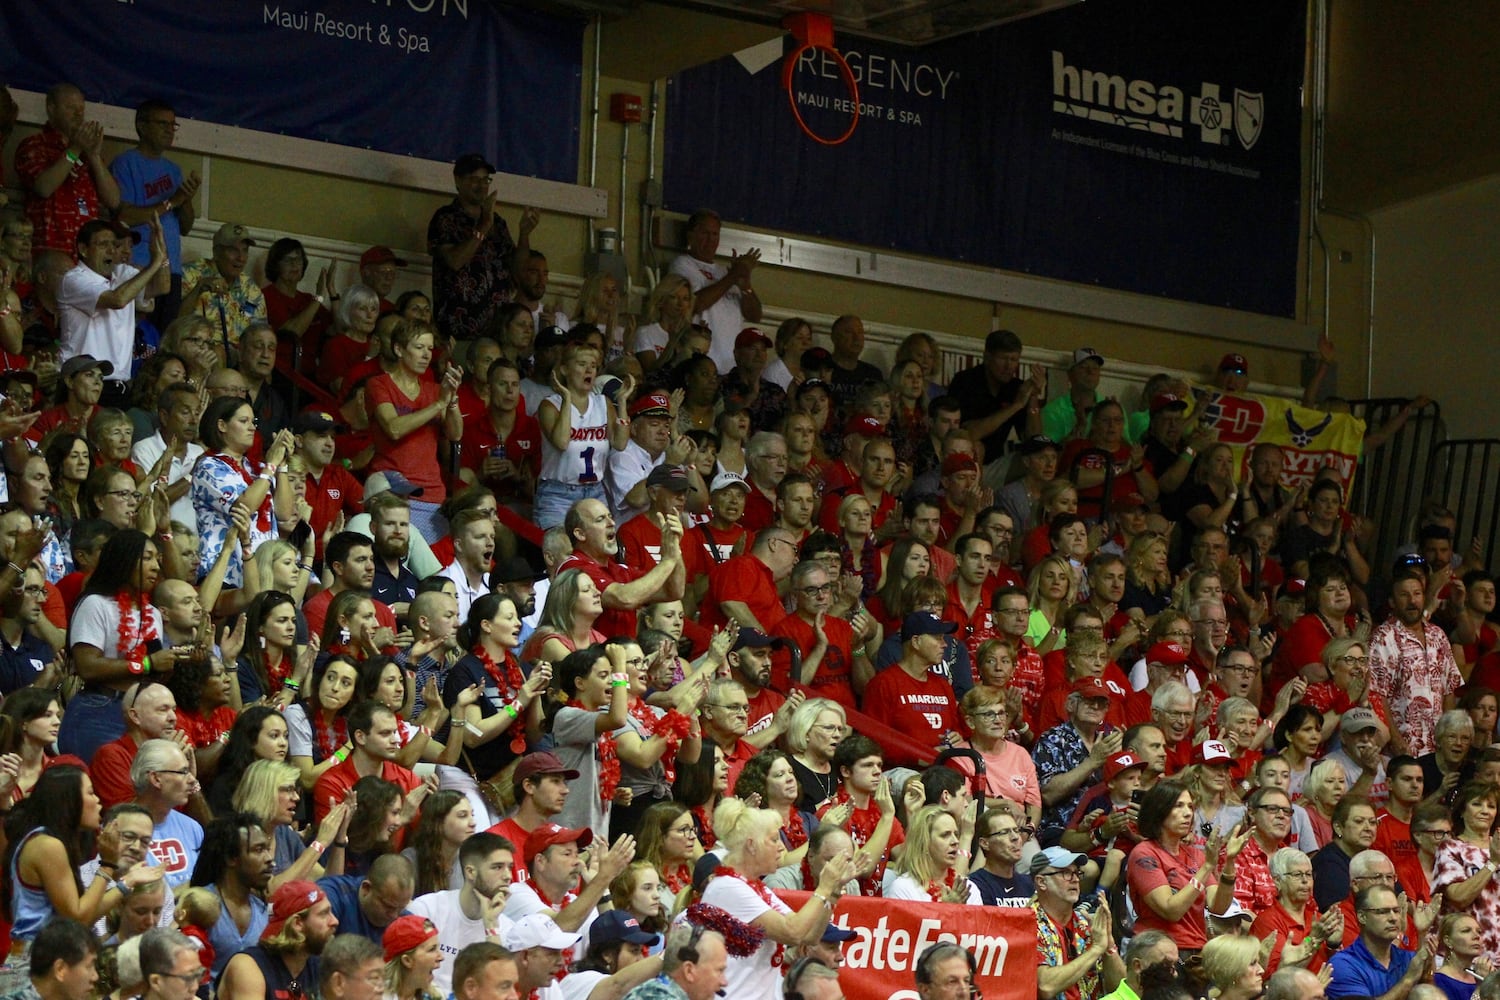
[881,963]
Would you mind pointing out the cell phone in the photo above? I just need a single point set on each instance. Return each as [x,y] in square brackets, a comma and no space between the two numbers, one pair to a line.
[153,647]
[1267,630]
[1136,796]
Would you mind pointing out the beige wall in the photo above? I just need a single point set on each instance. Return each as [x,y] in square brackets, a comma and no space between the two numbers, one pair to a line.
[1437,277]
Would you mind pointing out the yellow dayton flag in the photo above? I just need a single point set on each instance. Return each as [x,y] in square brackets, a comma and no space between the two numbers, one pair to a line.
[1311,439]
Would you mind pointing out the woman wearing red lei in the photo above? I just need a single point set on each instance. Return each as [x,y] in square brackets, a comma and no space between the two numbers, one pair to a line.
[594,681]
[115,635]
[753,837]
[316,731]
[768,778]
[935,866]
[667,838]
[653,741]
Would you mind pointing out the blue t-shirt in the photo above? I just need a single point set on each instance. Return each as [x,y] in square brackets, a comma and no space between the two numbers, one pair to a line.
[343,897]
[22,665]
[175,844]
[146,181]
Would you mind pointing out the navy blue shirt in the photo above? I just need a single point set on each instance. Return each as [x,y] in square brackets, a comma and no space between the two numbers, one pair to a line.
[21,665]
[343,897]
[997,891]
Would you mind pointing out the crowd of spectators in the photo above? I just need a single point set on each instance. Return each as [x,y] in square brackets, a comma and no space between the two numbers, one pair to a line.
[462,643]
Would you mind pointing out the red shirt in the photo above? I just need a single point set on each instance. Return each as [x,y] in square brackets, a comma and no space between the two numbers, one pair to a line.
[335,783]
[334,489]
[640,545]
[763,705]
[205,730]
[1274,919]
[281,308]
[835,676]
[828,515]
[737,759]
[975,629]
[110,770]
[416,455]
[340,357]
[1125,482]
[1150,867]
[747,579]
[523,446]
[926,709]
[606,575]
[1393,838]
[56,218]
[1302,644]
[511,831]
[760,510]
[316,612]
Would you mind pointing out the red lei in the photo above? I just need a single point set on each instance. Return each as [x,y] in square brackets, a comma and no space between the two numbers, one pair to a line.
[330,736]
[278,673]
[508,682]
[132,639]
[862,824]
[794,830]
[678,879]
[935,888]
[263,515]
[609,760]
[672,727]
[763,891]
[705,823]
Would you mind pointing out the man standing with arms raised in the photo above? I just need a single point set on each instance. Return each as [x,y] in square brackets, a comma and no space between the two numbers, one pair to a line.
[723,296]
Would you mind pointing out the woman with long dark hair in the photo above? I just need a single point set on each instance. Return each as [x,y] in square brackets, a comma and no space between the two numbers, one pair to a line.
[70,459]
[382,679]
[494,732]
[316,732]
[573,604]
[292,310]
[350,627]
[51,834]
[114,632]
[259,733]
[206,693]
[447,821]
[269,665]
[29,721]
[769,777]
[667,838]
[596,687]
[378,817]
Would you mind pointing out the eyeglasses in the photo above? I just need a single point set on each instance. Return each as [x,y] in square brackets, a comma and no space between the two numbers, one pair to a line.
[1239,668]
[827,588]
[1355,661]
[1298,876]
[183,772]
[732,709]
[143,839]
[1071,874]
[174,126]
[34,591]
[1388,877]
[190,978]
[139,690]
[1178,715]
[124,495]
[1276,810]
[1179,635]
[1383,911]
[990,715]
[829,729]
[1215,622]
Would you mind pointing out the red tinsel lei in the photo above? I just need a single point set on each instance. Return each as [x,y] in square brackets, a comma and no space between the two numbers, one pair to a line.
[862,824]
[794,830]
[509,682]
[764,892]
[678,879]
[672,727]
[133,638]
[330,733]
[935,888]
[609,760]
[279,673]
[705,826]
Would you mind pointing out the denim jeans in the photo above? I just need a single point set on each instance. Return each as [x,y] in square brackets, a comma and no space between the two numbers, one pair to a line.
[553,499]
[91,720]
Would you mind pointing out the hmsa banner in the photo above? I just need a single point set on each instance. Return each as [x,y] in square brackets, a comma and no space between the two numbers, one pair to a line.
[881,963]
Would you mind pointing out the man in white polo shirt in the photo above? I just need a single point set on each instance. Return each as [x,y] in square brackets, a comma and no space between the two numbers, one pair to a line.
[98,299]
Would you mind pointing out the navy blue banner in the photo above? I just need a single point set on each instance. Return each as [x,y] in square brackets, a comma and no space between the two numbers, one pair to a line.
[1152,146]
[426,78]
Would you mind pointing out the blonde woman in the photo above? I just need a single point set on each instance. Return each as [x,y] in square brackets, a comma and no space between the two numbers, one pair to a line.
[1233,967]
[1148,578]
[661,343]
[270,790]
[932,869]
[1052,588]
[412,955]
[600,302]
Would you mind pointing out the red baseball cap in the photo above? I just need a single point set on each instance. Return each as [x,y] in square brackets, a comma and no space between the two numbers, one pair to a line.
[1211,752]
[405,933]
[1120,763]
[550,834]
[1169,653]
[289,900]
[653,404]
[864,426]
[1091,687]
[751,335]
[959,462]
[1167,401]
[1234,363]
[380,255]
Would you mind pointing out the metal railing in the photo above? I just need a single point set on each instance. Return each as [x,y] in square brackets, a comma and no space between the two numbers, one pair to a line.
[1395,478]
[1461,475]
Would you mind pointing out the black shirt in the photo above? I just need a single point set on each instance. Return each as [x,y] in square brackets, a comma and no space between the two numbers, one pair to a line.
[975,401]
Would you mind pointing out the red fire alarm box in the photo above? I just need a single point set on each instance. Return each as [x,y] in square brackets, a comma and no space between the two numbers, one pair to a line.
[625,108]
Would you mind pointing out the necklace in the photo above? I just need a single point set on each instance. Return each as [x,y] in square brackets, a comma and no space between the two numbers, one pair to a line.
[826,782]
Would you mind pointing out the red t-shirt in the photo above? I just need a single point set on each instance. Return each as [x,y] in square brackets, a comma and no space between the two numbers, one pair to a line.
[760,510]
[110,770]
[511,831]
[605,575]
[1125,482]
[1150,867]
[763,705]
[1393,838]
[1276,920]
[205,730]
[334,489]
[828,514]
[975,629]
[415,456]
[640,545]
[743,578]
[926,709]
[835,676]
[340,356]
[279,310]
[316,613]
[523,446]
[335,783]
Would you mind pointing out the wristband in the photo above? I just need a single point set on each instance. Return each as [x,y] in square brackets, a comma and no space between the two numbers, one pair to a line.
[136,668]
[1187,450]
[479,235]
[19,570]
[509,710]
[618,678]
[824,900]
[72,157]
[425,731]
[341,756]
[317,846]
[291,685]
